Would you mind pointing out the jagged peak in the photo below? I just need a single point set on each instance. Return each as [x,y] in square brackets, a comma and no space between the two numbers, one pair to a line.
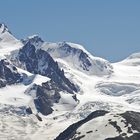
[64,44]
[34,37]
[35,40]
[72,45]
[4,28]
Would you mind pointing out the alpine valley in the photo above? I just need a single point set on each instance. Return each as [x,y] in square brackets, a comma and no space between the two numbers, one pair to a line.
[59,91]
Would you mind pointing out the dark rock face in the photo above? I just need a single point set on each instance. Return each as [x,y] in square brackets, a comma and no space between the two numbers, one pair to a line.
[53,90]
[114,124]
[43,105]
[44,100]
[29,111]
[34,40]
[132,118]
[27,56]
[71,130]
[38,61]
[8,74]
[85,61]
[46,95]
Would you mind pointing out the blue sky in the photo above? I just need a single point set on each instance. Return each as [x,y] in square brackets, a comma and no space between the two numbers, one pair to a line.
[107,28]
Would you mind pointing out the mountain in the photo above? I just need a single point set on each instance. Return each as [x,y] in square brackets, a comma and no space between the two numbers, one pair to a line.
[103,125]
[8,42]
[75,56]
[34,40]
[59,91]
[132,60]
[4,31]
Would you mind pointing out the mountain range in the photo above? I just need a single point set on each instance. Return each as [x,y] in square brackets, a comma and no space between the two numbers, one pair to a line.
[60,91]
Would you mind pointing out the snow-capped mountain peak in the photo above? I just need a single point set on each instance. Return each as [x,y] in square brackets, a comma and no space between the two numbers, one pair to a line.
[33,36]
[4,28]
[78,58]
[8,42]
[34,40]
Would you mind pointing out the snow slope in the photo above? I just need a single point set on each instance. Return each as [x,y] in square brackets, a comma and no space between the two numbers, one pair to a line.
[132,60]
[78,58]
[102,125]
[8,42]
